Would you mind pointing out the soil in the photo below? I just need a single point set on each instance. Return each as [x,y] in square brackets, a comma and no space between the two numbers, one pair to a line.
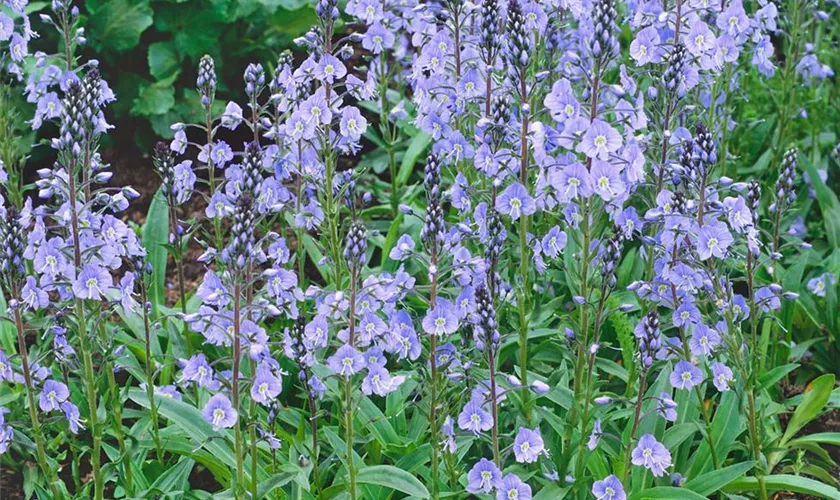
[11,484]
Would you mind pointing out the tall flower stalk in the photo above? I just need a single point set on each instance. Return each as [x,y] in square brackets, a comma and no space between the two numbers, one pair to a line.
[432,236]
[11,266]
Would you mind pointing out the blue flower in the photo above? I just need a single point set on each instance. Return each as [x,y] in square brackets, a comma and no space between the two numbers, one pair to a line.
[515,201]
[219,412]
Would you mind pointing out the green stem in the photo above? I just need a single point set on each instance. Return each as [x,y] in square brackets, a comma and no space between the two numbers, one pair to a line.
[433,402]
[636,419]
[237,355]
[756,444]
[582,333]
[211,171]
[92,397]
[348,388]
[52,477]
[494,407]
[584,422]
[117,409]
[348,423]
[788,89]
[87,357]
[150,376]
[253,436]
[708,422]
[524,253]
[523,316]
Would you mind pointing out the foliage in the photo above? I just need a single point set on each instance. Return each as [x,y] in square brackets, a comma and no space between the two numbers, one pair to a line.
[497,250]
[148,49]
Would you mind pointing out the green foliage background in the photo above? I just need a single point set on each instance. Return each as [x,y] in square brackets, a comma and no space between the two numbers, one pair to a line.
[148,51]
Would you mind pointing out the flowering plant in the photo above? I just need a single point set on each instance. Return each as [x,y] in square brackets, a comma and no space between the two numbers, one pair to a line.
[447,250]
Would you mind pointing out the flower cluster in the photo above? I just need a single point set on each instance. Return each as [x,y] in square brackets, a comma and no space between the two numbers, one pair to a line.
[573,294]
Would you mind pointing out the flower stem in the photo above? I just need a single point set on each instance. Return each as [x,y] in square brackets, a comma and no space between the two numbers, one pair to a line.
[253,436]
[524,251]
[636,418]
[494,407]
[756,443]
[150,374]
[92,397]
[237,355]
[348,387]
[313,420]
[582,334]
[52,477]
[433,383]
[348,424]
[117,409]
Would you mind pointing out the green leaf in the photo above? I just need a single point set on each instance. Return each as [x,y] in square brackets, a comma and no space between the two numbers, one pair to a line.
[195,28]
[551,492]
[832,438]
[769,378]
[727,424]
[174,479]
[711,482]
[274,482]
[8,334]
[316,256]
[163,60]
[667,493]
[812,403]
[391,239]
[372,419]
[293,22]
[188,418]
[829,204]
[155,99]
[155,237]
[118,24]
[415,149]
[394,478]
[786,483]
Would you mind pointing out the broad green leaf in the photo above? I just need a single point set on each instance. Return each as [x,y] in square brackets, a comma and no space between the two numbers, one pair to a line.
[415,149]
[188,418]
[118,24]
[769,378]
[827,199]
[372,419]
[293,22]
[155,99]
[786,483]
[812,403]
[274,482]
[832,438]
[195,28]
[394,478]
[667,493]
[180,446]
[551,492]
[727,425]
[315,256]
[390,240]
[163,60]
[711,482]
[155,237]
[174,479]
[8,335]
[679,433]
